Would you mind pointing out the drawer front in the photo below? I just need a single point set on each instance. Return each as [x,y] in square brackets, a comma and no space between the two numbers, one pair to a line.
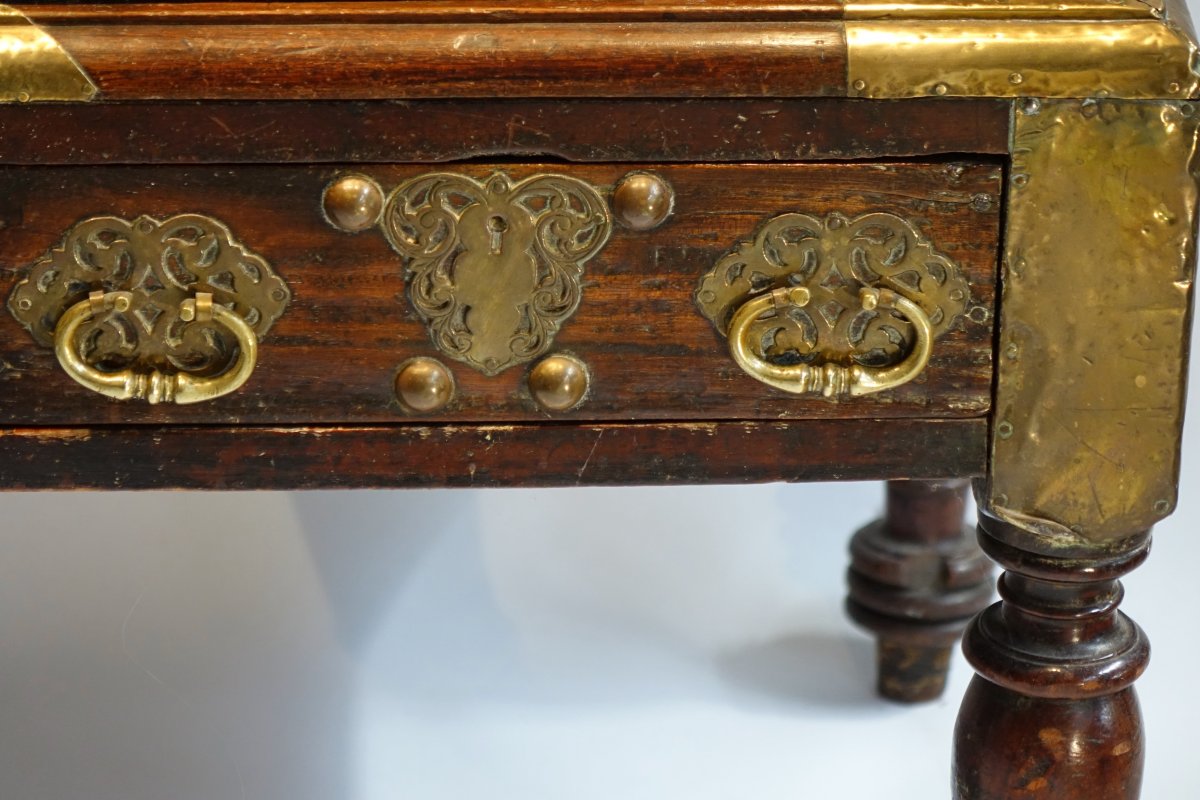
[351,314]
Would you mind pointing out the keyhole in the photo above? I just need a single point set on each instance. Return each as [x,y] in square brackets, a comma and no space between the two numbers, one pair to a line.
[496,226]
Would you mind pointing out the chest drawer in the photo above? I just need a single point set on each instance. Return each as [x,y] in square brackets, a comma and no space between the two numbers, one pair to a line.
[560,265]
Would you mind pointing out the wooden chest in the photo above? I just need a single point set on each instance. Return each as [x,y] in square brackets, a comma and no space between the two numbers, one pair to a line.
[427,243]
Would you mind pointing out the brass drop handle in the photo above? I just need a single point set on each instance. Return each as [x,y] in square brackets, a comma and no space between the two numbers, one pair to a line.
[155,386]
[829,379]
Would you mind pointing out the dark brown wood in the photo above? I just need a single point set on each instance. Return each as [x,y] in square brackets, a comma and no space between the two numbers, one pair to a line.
[916,578]
[339,61]
[1053,714]
[1009,745]
[333,356]
[431,11]
[573,130]
[496,455]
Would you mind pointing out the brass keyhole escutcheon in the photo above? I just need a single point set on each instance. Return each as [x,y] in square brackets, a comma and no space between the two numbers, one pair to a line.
[495,267]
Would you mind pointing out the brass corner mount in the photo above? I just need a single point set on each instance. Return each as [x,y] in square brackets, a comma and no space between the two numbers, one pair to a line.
[34,67]
[1128,49]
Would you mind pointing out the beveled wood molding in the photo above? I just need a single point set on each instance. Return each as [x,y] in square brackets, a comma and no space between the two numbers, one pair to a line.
[1128,49]
[437,11]
[360,61]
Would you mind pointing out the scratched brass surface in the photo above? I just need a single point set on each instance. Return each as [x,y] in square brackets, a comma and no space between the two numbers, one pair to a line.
[1096,291]
[34,67]
[1018,58]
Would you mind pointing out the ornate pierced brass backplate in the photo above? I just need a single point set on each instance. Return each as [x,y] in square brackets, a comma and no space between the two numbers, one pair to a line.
[495,267]
[832,304]
[166,310]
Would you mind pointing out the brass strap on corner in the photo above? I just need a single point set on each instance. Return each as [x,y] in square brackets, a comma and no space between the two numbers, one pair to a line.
[1134,49]
[155,386]
[34,66]
[830,380]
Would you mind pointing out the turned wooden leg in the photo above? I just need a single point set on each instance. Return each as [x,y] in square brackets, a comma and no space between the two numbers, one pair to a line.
[1052,714]
[916,578]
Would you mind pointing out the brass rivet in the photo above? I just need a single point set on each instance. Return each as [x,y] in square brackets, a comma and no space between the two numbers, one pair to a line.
[424,385]
[859,85]
[558,382]
[940,89]
[643,201]
[1162,506]
[1004,430]
[353,203]
[1016,78]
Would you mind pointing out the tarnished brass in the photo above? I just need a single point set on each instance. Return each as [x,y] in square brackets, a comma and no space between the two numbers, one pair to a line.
[353,203]
[643,201]
[827,379]
[160,278]
[154,386]
[1000,48]
[34,67]
[495,268]
[816,340]
[1009,58]
[559,382]
[424,385]
[1096,288]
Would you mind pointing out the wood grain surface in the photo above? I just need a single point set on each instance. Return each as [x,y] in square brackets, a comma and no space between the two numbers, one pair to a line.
[572,130]
[479,456]
[333,356]
[354,61]
[431,11]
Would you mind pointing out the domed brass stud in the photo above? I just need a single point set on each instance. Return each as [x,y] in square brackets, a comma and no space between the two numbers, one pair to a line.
[424,385]
[643,201]
[353,203]
[558,383]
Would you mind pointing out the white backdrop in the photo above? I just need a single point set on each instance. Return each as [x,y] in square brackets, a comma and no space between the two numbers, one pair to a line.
[533,645]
